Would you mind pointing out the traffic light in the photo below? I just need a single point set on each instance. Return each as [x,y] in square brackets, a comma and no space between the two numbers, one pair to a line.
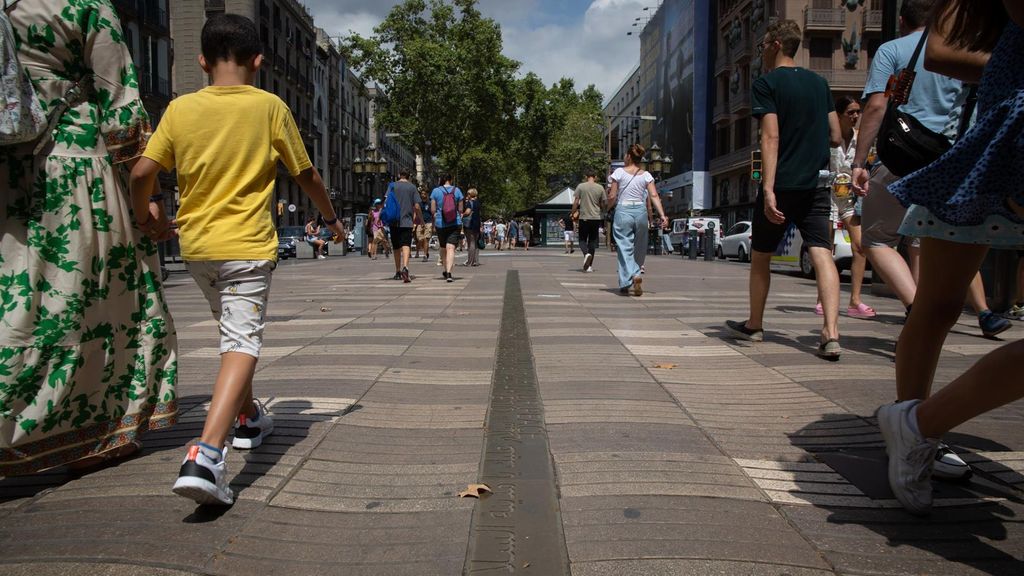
[755,166]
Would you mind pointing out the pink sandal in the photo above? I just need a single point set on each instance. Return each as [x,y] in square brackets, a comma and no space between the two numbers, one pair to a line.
[861,310]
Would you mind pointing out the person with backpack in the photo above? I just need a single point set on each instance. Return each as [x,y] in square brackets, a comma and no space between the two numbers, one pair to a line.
[88,351]
[446,204]
[401,209]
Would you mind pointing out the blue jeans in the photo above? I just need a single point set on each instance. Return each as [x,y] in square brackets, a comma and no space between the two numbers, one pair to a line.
[630,231]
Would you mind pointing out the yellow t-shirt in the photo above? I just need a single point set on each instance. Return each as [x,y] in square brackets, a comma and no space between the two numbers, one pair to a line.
[225,142]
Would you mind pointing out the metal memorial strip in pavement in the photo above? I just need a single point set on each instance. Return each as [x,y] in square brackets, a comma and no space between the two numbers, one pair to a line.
[517,528]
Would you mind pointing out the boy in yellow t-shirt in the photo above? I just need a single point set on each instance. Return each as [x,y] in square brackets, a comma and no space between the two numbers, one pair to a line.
[225,142]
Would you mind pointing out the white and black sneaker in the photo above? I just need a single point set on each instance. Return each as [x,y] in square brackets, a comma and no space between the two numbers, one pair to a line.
[949,465]
[250,431]
[204,476]
[911,456]
[587,261]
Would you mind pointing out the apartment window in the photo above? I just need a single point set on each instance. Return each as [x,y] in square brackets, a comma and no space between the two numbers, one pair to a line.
[742,133]
[821,53]
[823,4]
[722,141]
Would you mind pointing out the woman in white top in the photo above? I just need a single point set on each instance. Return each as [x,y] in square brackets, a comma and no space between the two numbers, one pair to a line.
[630,188]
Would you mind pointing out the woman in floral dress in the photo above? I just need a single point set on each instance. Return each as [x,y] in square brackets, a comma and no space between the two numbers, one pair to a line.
[87,347]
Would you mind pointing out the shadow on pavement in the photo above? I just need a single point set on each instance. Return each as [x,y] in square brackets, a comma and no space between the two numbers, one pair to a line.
[857,523]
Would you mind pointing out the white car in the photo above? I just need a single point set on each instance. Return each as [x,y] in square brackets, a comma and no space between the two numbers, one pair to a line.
[736,243]
[792,249]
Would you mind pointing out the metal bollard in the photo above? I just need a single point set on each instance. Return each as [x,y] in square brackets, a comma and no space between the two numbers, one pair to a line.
[709,243]
[693,247]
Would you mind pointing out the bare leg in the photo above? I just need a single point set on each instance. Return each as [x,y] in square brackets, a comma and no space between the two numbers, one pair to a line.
[231,394]
[894,270]
[398,259]
[947,269]
[828,289]
[760,283]
[449,257]
[976,294]
[859,264]
[914,255]
[993,382]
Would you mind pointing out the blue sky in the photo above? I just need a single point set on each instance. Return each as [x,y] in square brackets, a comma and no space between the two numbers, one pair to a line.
[581,39]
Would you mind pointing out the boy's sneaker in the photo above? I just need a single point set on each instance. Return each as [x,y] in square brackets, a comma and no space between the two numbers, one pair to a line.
[397,276]
[250,431]
[949,465]
[739,330]
[911,457]
[405,275]
[204,477]
[992,324]
[1016,312]
[587,261]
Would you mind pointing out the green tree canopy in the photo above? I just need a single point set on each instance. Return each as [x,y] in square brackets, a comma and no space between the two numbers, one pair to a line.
[440,63]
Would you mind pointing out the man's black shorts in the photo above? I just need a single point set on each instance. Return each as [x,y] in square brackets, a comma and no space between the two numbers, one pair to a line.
[449,235]
[808,210]
[400,237]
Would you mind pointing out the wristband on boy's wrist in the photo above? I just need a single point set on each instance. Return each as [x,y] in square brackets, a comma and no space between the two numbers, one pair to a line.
[156,198]
[331,222]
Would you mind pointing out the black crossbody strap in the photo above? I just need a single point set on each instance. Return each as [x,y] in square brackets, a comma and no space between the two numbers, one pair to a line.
[917,51]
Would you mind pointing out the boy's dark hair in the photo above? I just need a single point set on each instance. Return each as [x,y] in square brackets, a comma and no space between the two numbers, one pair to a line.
[446,178]
[230,37]
[915,12]
[589,173]
[403,174]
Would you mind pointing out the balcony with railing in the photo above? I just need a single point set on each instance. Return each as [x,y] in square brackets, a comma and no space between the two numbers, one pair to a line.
[853,80]
[742,50]
[723,64]
[873,20]
[740,103]
[824,19]
[721,113]
[732,160]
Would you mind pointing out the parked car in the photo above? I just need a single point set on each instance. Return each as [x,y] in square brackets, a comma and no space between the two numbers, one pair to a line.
[286,249]
[736,242]
[792,249]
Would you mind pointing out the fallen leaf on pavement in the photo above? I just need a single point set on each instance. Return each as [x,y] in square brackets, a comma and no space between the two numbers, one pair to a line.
[325,309]
[475,490]
[666,366]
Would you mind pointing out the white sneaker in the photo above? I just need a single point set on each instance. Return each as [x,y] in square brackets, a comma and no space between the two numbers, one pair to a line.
[949,465]
[911,457]
[204,479]
[588,259]
[250,432]
[321,257]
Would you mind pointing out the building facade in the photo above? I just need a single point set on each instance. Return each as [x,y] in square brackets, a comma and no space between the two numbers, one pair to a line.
[666,101]
[838,44]
[622,116]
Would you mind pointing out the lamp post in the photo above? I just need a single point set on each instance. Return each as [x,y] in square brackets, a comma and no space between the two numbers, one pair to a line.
[370,167]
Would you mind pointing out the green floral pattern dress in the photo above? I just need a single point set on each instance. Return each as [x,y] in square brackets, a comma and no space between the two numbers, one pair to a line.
[87,346]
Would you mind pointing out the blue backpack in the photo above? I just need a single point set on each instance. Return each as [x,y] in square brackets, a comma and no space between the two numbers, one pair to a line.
[391,214]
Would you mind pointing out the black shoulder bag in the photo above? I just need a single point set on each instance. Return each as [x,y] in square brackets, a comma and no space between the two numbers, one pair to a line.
[904,144]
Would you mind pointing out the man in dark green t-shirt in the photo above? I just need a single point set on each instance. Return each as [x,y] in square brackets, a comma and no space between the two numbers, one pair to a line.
[798,126]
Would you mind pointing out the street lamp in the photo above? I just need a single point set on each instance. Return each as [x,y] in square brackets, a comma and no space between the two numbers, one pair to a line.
[370,167]
[611,117]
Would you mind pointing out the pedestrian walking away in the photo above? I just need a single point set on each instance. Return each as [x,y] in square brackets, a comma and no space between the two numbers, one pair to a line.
[588,205]
[401,231]
[226,170]
[798,126]
[375,229]
[88,351]
[446,204]
[961,205]
[499,231]
[630,188]
[471,224]
[512,233]
[527,232]
[567,229]
[426,230]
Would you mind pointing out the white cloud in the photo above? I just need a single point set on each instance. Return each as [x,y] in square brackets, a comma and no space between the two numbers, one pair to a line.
[590,48]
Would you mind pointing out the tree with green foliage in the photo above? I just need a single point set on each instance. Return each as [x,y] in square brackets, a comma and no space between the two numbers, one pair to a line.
[455,98]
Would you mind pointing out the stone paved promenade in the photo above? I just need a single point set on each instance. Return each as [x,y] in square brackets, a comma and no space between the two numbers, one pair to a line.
[669,448]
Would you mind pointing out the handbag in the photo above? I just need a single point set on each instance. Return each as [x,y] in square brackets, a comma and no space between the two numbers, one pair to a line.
[905,145]
[481,243]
